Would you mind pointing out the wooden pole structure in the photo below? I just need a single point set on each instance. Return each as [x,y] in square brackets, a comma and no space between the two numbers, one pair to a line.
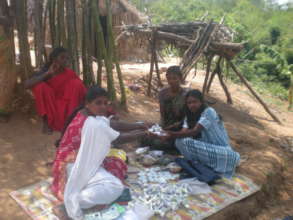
[157,68]
[214,73]
[209,62]
[152,44]
[253,92]
[225,88]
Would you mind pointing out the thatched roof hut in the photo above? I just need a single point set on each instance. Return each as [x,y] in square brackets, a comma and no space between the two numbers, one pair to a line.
[123,13]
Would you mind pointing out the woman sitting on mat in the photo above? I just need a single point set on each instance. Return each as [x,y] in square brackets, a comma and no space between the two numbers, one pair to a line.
[57,91]
[172,101]
[82,176]
[203,137]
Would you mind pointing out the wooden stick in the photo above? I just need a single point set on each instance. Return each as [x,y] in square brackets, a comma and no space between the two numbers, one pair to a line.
[210,58]
[225,88]
[157,69]
[253,92]
[211,80]
[213,74]
[151,66]
[156,60]
[220,48]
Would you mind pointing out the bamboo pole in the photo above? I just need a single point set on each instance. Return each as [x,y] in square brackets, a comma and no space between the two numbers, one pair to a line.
[72,34]
[61,24]
[101,49]
[109,57]
[89,39]
[253,92]
[24,48]
[38,33]
[52,17]
[123,99]
[87,76]
[44,25]
[96,51]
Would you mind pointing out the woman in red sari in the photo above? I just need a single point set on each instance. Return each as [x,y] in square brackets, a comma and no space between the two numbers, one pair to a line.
[57,91]
[83,175]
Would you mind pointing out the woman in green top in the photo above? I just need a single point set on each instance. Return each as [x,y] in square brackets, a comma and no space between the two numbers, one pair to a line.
[172,101]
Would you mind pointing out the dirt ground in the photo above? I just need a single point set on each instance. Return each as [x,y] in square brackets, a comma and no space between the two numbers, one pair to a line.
[25,150]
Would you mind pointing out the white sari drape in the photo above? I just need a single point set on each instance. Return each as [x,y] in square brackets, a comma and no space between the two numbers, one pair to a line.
[88,183]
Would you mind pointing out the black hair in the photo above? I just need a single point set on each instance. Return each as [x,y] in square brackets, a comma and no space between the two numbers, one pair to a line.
[92,93]
[95,92]
[53,55]
[174,70]
[193,117]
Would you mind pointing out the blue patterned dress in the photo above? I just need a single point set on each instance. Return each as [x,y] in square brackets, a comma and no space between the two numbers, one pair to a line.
[213,148]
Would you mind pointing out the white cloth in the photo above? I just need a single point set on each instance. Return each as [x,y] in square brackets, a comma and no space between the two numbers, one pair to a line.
[87,175]
[138,212]
[195,186]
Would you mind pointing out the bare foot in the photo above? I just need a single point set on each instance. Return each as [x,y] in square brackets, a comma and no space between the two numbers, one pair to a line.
[60,212]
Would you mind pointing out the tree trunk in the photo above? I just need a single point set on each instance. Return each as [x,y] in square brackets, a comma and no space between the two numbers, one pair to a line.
[7,70]
[24,48]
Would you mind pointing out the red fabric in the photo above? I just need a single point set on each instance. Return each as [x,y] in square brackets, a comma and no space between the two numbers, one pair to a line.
[67,152]
[116,166]
[58,97]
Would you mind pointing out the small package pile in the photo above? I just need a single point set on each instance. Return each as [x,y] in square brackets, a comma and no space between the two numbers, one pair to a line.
[158,192]
[156,129]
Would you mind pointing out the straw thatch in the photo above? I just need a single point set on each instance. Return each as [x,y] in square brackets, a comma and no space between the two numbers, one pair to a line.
[129,48]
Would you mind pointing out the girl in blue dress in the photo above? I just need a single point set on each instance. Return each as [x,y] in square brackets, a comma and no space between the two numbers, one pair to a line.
[204,138]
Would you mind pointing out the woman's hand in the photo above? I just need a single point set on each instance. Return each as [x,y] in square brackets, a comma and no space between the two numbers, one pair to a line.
[176,124]
[53,69]
[145,125]
[166,136]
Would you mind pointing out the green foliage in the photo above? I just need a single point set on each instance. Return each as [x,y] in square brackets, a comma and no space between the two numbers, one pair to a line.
[266,27]
[288,52]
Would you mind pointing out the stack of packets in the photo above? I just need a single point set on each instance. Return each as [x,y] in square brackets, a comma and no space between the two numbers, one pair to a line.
[156,129]
[160,190]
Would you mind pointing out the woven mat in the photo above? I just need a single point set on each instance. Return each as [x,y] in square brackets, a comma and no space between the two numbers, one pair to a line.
[37,200]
